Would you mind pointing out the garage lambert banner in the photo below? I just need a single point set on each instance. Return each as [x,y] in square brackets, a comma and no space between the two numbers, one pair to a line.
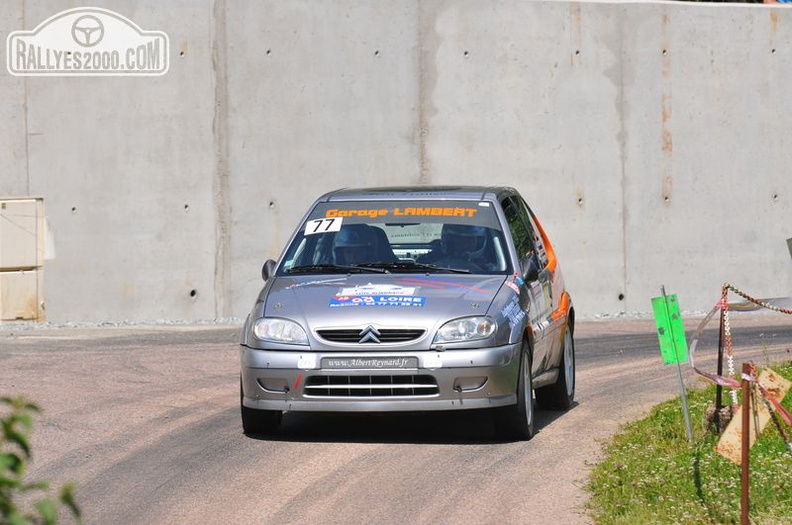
[87,41]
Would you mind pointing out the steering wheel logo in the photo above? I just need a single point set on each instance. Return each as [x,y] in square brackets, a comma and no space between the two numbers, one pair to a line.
[87,31]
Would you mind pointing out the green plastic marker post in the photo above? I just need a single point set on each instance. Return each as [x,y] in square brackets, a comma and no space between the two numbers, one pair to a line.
[670,331]
[673,345]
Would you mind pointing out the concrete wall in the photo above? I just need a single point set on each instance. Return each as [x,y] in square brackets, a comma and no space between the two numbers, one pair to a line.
[652,139]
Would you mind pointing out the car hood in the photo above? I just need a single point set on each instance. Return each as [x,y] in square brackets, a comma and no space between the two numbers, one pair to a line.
[386,300]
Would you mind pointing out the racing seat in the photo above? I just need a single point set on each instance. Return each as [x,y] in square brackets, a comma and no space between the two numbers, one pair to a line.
[382,248]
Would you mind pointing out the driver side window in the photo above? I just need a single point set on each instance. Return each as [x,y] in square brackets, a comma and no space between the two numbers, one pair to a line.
[519,227]
[533,231]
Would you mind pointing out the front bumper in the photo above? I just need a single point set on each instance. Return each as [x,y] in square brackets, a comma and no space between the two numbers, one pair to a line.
[379,381]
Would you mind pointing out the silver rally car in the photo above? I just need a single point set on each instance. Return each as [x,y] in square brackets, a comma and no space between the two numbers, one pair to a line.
[411,299]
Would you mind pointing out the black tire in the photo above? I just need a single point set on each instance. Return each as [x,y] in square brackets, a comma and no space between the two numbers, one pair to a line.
[561,394]
[517,421]
[258,421]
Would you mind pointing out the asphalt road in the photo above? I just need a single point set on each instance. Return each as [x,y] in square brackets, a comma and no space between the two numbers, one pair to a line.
[146,421]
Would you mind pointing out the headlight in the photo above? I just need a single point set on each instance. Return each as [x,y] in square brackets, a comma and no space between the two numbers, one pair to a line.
[466,329]
[279,331]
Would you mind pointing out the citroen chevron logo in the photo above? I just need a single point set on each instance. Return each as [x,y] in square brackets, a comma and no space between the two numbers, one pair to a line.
[369,335]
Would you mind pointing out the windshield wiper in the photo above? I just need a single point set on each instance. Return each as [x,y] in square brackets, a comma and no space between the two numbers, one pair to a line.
[414,266]
[333,268]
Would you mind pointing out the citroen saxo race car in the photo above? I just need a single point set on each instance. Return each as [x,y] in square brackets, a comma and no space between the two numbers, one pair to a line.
[411,299]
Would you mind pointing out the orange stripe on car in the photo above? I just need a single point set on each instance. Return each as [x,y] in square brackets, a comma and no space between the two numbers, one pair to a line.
[551,257]
[563,308]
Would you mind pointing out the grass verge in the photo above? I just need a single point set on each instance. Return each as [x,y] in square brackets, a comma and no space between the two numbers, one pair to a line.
[652,474]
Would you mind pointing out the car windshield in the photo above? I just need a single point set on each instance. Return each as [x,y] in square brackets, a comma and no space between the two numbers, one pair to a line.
[398,237]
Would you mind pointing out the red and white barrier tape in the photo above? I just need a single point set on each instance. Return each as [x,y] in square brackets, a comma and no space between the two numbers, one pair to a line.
[730,382]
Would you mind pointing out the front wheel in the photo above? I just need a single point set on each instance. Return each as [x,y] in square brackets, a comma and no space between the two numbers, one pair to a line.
[517,421]
[561,394]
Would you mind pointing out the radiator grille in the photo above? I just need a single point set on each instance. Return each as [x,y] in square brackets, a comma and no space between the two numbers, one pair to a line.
[386,335]
[371,386]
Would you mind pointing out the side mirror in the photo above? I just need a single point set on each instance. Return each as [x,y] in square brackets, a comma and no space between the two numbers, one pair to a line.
[532,269]
[268,270]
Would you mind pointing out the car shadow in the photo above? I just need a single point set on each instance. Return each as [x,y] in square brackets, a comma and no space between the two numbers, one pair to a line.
[463,427]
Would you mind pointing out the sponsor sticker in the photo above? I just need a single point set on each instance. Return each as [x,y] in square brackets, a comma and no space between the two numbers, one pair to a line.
[369,363]
[378,289]
[306,362]
[87,41]
[409,211]
[515,283]
[314,283]
[377,300]
[513,313]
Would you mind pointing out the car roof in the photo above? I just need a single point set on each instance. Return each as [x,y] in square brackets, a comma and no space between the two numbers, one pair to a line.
[417,193]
